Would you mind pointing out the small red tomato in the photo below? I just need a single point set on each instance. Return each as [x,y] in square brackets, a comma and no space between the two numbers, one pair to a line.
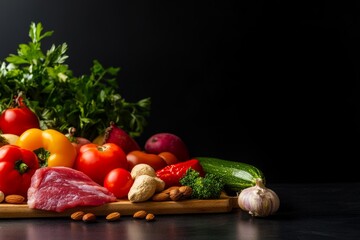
[18,118]
[118,181]
[97,161]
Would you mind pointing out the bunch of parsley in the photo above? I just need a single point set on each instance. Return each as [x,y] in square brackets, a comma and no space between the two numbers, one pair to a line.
[60,99]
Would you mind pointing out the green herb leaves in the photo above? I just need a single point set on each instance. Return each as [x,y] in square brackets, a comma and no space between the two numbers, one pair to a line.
[60,99]
[207,187]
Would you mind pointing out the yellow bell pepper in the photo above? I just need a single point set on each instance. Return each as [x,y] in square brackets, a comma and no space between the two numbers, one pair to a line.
[52,147]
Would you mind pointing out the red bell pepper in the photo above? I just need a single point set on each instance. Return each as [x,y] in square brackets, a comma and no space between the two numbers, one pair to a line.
[17,166]
[172,174]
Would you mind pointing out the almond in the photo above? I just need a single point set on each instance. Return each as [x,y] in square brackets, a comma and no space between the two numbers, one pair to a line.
[140,214]
[14,199]
[159,197]
[186,191]
[175,194]
[167,190]
[114,216]
[77,216]
[89,217]
[150,217]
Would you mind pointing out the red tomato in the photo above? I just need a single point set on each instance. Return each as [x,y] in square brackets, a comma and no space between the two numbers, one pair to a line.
[18,118]
[118,181]
[136,157]
[97,161]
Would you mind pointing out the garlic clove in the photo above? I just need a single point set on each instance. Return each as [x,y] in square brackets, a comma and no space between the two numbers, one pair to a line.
[258,200]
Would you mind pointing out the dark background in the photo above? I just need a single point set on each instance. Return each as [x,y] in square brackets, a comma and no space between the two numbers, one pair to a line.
[271,83]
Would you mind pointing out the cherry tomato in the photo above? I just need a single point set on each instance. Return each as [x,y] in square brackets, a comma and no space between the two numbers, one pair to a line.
[118,181]
[18,118]
[168,157]
[136,157]
[97,161]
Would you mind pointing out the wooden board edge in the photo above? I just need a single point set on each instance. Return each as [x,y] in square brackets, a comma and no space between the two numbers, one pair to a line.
[192,206]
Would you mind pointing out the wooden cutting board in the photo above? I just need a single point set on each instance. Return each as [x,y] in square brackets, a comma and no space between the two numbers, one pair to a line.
[125,207]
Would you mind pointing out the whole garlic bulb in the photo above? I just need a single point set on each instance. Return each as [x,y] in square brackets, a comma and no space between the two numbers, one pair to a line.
[258,200]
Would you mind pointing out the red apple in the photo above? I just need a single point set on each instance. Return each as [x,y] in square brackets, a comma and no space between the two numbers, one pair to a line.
[167,142]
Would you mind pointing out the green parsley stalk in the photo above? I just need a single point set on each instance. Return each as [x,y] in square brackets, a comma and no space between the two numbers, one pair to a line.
[61,100]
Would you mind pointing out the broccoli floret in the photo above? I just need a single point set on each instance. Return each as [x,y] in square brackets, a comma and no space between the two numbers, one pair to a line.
[207,187]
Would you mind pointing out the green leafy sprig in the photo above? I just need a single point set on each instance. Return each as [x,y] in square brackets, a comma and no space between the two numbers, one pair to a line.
[208,187]
[60,99]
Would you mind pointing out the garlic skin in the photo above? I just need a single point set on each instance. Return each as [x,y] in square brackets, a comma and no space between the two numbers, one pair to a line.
[258,200]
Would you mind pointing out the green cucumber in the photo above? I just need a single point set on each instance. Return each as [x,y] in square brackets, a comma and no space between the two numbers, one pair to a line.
[236,175]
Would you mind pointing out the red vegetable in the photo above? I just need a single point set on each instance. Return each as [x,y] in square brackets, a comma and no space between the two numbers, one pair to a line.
[167,142]
[169,157]
[172,174]
[17,166]
[137,157]
[115,134]
[97,161]
[119,181]
[18,118]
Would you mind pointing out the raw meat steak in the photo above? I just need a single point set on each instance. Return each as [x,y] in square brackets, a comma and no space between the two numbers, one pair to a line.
[61,188]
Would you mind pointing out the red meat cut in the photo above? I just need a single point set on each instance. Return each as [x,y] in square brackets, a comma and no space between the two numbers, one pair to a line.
[60,188]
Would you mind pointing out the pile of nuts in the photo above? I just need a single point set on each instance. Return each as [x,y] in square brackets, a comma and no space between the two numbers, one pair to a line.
[174,193]
[143,214]
[86,217]
[111,217]
[148,186]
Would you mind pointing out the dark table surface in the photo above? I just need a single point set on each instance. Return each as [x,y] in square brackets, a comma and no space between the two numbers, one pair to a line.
[307,211]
